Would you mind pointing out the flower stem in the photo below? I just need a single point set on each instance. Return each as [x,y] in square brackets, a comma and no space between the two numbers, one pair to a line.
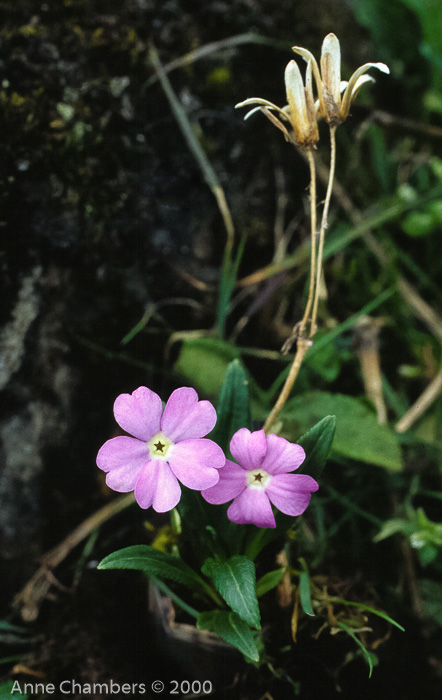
[324,224]
[311,162]
[302,346]
[304,343]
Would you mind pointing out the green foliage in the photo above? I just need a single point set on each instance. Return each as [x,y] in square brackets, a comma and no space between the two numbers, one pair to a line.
[304,593]
[6,690]
[209,526]
[358,434]
[430,18]
[325,361]
[235,580]
[317,444]
[423,534]
[382,166]
[229,626]
[370,609]
[392,26]
[13,634]
[229,272]
[369,657]
[204,361]
[269,581]
[233,408]
[431,595]
[152,562]
[422,223]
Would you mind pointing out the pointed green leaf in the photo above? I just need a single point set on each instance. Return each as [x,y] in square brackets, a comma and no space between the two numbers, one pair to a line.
[233,408]
[152,562]
[368,608]
[304,593]
[229,626]
[317,444]
[369,657]
[235,579]
[269,581]
[358,434]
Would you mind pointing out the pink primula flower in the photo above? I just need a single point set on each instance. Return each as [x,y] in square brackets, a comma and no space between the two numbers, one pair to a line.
[261,478]
[167,447]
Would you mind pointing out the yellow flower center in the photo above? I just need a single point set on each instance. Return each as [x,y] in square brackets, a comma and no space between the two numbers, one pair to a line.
[258,479]
[159,446]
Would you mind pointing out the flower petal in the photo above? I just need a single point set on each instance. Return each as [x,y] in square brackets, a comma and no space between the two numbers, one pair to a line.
[232,481]
[331,68]
[196,462]
[248,448]
[123,458]
[168,491]
[282,455]
[348,95]
[252,506]
[296,99]
[362,80]
[139,413]
[157,487]
[120,452]
[185,417]
[291,493]
[308,56]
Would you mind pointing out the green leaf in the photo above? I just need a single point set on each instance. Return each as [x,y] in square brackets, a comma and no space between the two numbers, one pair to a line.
[204,361]
[392,527]
[369,657]
[151,561]
[423,534]
[368,608]
[7,688]
[431,594]
[269,581]
[325,360]
[233,408]
[358,434]
[229,626]
[235,579]
[419,224]
[317,444]
[304,593]
[229,273]
[6,626]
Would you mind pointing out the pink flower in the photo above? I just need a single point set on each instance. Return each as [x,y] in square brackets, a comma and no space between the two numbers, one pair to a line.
[261,478]
[166,447]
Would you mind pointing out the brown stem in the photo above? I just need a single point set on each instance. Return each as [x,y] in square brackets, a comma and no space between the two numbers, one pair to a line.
[301,349]
[30,598]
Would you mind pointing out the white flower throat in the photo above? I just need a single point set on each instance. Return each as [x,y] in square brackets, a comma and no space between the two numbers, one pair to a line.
[258,479]
[160,446]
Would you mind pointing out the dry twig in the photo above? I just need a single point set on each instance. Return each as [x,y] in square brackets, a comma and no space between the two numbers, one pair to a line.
[36,590]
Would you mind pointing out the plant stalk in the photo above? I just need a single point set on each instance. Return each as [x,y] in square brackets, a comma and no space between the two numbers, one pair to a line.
[304,343]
